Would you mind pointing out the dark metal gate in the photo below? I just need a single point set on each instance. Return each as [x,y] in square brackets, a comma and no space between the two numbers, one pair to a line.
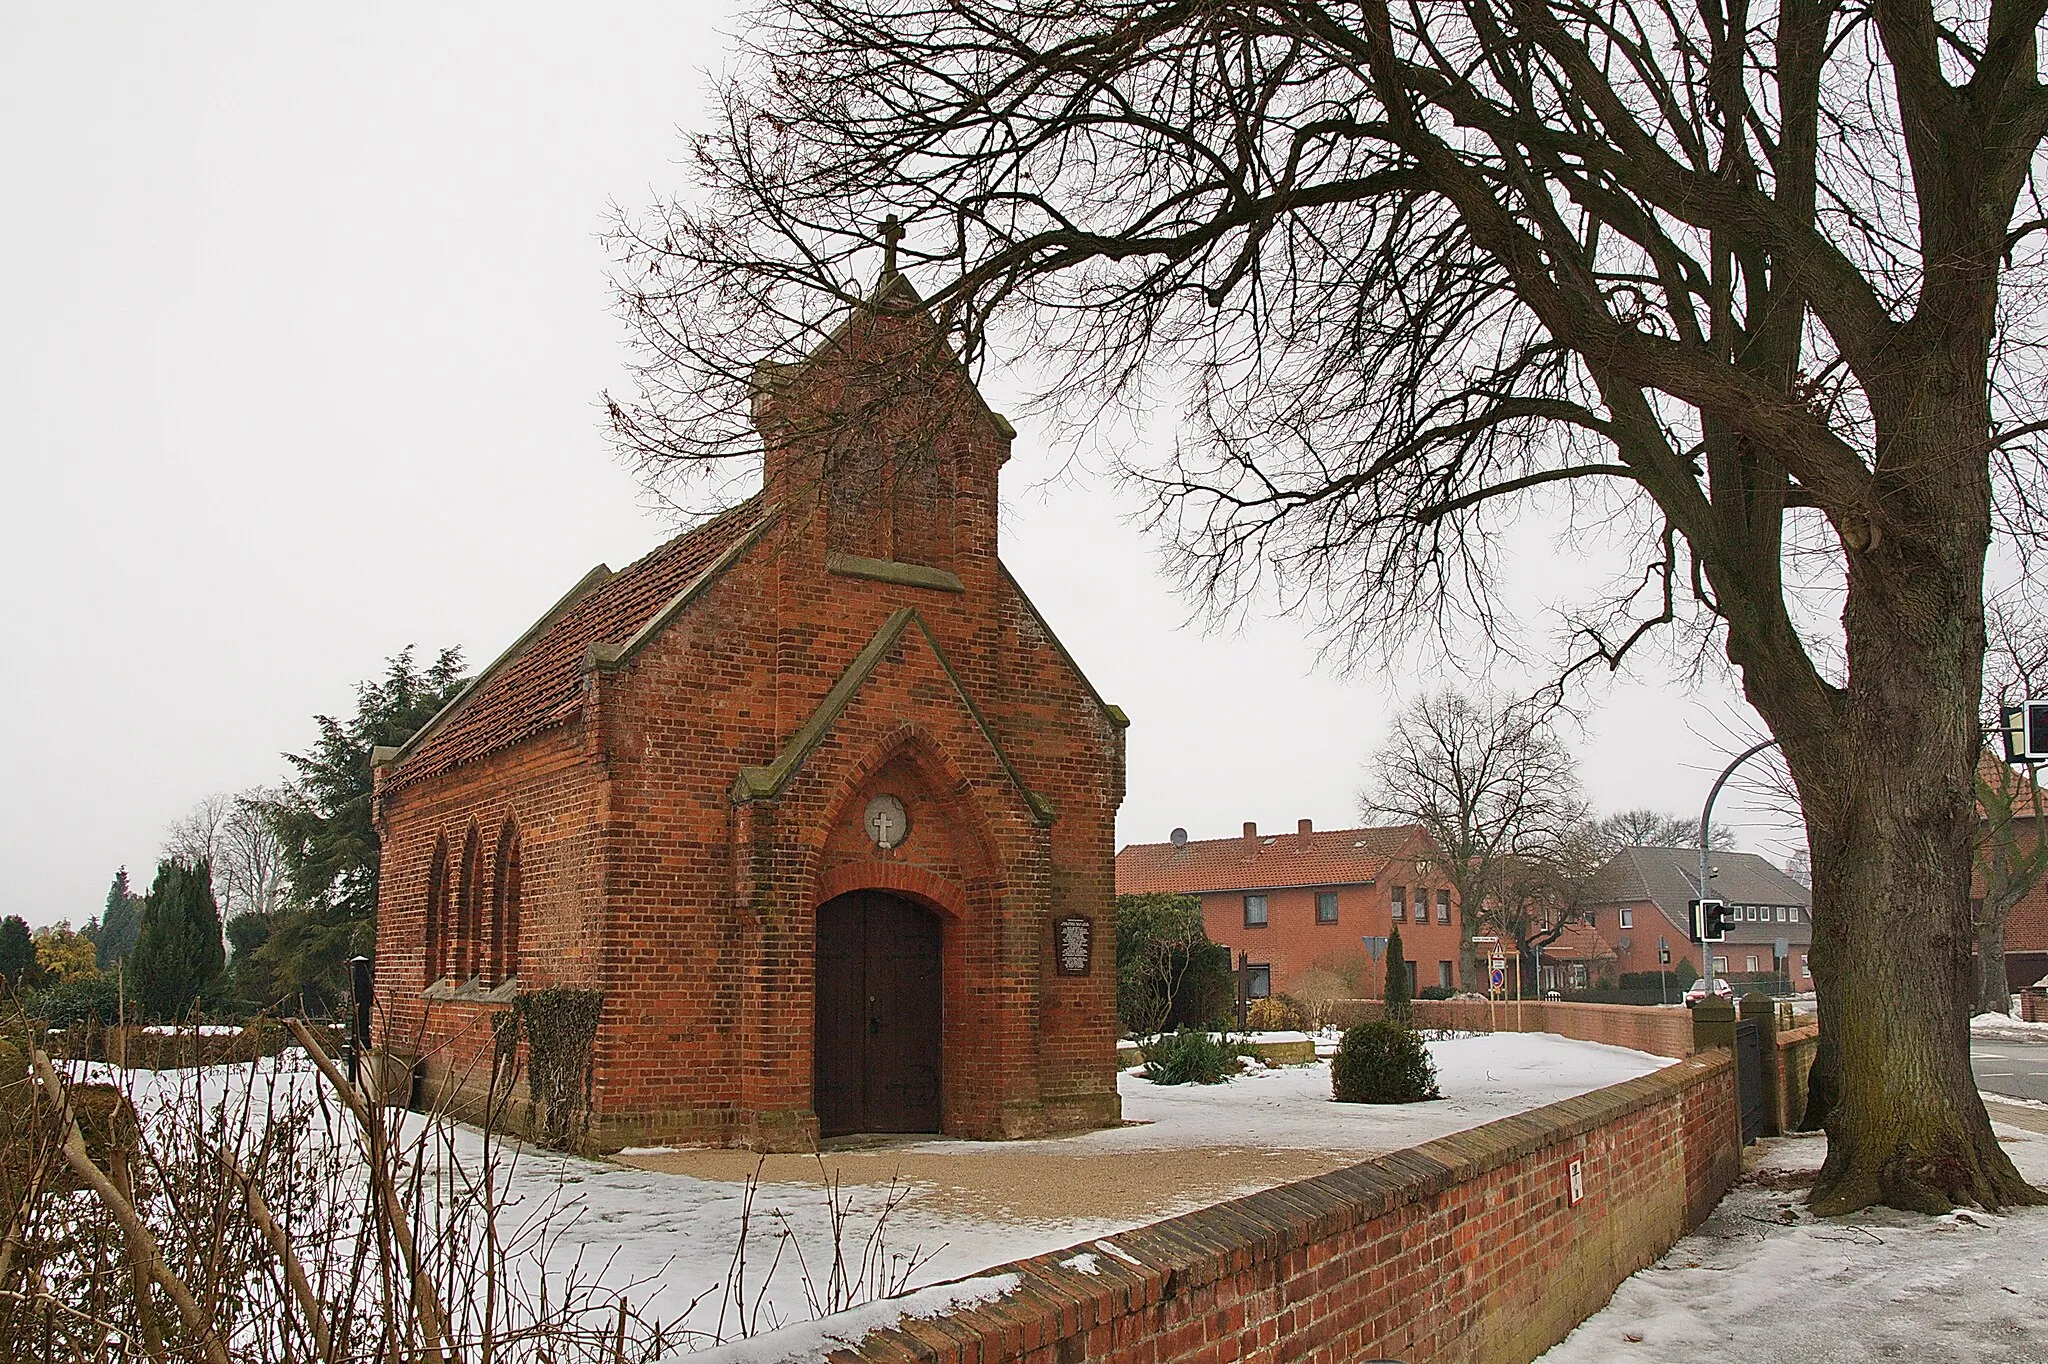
[1749,1077]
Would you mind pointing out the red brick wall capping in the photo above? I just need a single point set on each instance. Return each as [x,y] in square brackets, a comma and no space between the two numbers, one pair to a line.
[1466,1248]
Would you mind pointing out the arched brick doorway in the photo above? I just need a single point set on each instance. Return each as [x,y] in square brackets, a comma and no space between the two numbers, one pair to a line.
[880,1015]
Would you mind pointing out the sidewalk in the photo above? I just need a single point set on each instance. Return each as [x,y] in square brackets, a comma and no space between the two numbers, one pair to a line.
[1763,1279]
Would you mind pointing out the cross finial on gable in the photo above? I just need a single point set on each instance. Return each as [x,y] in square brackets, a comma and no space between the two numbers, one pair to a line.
[892,233]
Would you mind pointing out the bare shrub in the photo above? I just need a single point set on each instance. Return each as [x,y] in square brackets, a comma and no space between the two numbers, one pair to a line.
[266,1211]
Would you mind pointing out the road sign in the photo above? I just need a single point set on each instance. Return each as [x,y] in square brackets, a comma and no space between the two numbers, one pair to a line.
[1485,939]
[1499,976]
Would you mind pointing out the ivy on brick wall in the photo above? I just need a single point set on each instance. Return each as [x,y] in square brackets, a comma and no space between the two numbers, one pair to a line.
[560,1028]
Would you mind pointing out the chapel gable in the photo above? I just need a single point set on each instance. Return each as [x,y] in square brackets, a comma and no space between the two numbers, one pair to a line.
[880,441]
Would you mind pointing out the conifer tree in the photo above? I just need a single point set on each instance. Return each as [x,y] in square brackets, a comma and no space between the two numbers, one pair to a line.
[17,952]
[178,953]
[115,936]
[1397,992]
[328,840]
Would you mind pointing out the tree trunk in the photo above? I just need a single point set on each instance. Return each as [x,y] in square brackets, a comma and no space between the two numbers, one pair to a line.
[1472,966]
[1888,781]
[1993,995]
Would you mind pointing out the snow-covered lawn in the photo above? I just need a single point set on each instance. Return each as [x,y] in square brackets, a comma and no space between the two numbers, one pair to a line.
[1764,1280]
[667,1240]
[1482,1078]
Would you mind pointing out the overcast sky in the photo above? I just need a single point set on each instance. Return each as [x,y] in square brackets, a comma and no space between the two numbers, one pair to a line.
[305,327]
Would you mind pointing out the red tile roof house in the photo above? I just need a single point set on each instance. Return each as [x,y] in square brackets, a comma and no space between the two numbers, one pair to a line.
[1641,897]
[2026,923]
[687,786]
[2026,939]
[1580,959]
[1306,902]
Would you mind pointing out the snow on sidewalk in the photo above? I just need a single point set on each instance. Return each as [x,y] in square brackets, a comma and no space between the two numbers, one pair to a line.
[1763,1279]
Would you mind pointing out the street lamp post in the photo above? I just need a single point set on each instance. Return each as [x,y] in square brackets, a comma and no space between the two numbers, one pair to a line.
[1706,827]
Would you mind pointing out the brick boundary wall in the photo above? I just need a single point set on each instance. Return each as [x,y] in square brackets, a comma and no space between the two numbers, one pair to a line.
[1661,1030]
[1786,1095]
[1463,1249]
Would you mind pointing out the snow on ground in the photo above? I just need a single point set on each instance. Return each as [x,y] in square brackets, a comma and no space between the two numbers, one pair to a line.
[1482,1078]
[667,1240]
[2006,1028]
[680,1231]
[1764,1279]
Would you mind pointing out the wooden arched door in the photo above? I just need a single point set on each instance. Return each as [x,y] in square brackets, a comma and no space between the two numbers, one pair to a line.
[880,1015]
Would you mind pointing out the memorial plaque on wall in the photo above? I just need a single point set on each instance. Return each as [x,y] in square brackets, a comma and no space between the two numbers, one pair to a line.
[1072,945]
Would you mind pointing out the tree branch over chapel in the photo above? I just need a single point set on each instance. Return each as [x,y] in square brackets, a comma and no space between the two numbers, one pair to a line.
[1743,291]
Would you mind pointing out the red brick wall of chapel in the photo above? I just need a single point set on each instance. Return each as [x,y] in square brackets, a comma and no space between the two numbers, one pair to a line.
[695,912]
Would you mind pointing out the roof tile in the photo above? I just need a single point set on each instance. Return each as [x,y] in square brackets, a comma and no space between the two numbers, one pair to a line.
[541,686]
[1324,857]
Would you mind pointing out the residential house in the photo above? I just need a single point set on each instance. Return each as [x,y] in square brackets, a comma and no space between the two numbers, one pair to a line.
[1641,902]
[1312,901]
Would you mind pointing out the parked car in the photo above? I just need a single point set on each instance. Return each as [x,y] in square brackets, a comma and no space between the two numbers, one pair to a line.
[1697,991]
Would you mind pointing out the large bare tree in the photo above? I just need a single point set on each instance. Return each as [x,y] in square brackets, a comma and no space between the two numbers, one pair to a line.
[1493,788]
[1751,280]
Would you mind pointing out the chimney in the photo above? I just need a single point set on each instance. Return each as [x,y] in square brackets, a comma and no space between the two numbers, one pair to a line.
[1304,827]
[1251,836]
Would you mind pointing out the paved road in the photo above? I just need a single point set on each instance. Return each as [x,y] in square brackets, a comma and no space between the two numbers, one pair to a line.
[2016,1068]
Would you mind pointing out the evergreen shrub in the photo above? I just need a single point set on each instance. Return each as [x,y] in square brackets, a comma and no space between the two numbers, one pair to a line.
[1382,1063]
[81,999]
[1190,1057]
[1395,990]
[1435,992]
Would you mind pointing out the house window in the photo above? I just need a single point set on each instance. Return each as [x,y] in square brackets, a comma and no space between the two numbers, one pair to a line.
[1751,959]
[1720,966]
[1254,911]
[1411,978]
[1400,903]
[1806,968]
[1781,914]
[1443,909]
[1258,982]
[1592,918]
[1628,918]
[1326,906]
[1443,974]
[1578,975]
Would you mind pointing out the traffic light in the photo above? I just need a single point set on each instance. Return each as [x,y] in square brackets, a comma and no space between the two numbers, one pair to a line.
[2024,730]
[1709,920]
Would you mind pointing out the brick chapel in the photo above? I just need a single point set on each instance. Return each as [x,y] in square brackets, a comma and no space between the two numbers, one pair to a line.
[811,794]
